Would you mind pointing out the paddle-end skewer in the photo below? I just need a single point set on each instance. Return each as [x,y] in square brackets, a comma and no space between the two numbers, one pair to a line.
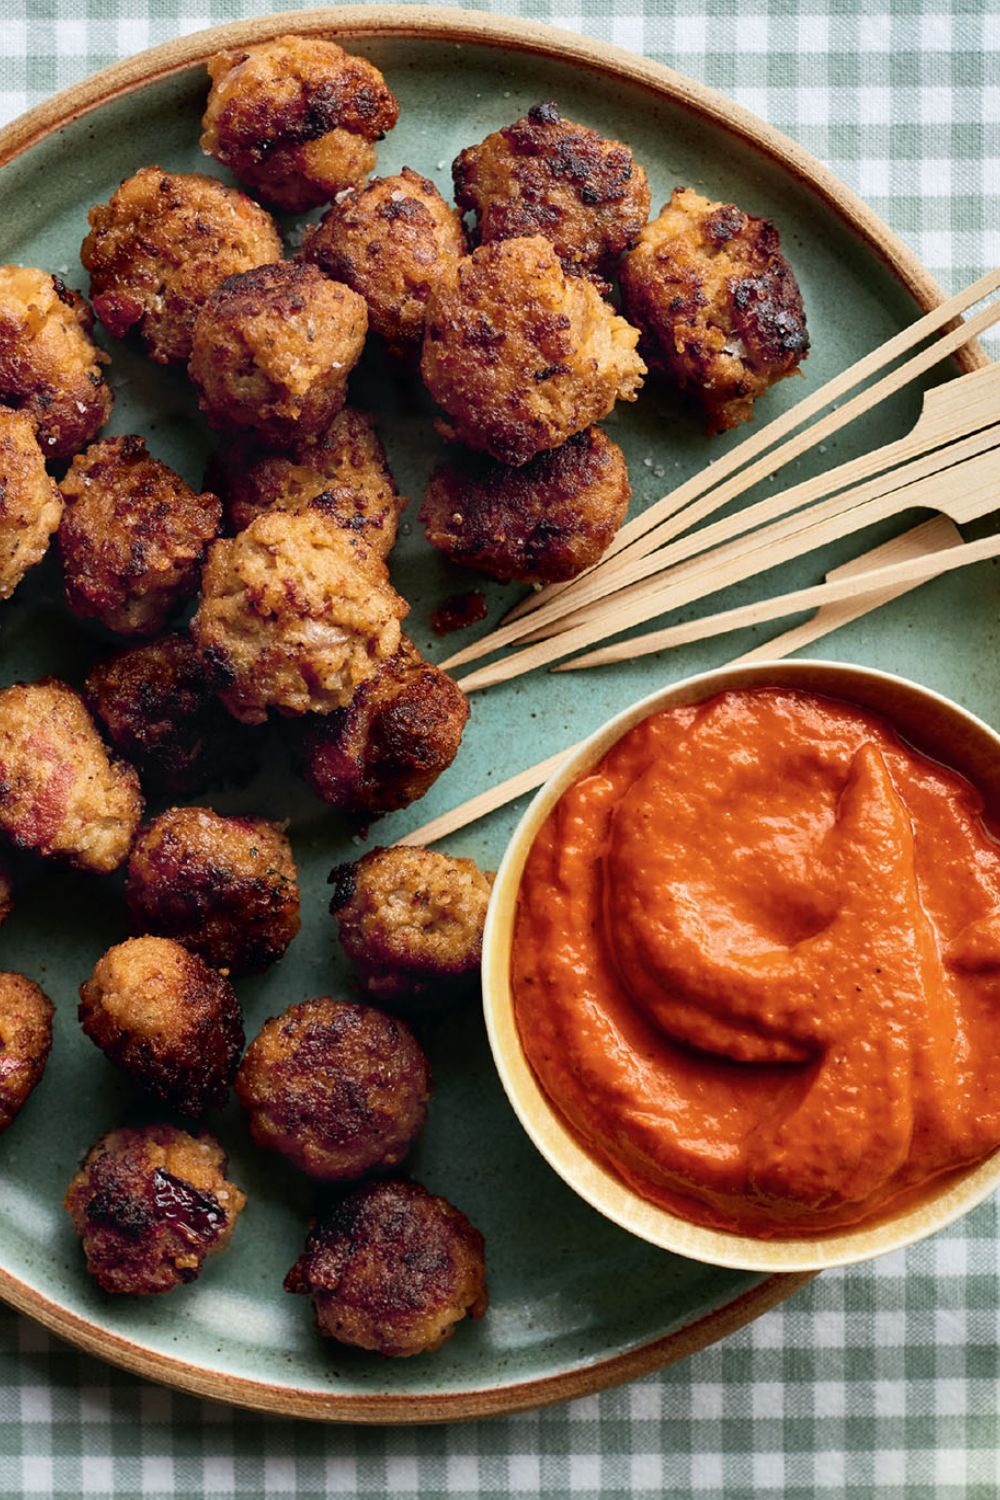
[931,536]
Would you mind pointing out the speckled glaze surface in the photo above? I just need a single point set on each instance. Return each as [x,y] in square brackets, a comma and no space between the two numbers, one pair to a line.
[573,1296]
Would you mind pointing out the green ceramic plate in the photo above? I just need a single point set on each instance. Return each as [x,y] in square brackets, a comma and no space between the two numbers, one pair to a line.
[575,1303]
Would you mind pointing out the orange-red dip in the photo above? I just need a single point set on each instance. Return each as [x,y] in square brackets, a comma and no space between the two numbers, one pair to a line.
[756,964]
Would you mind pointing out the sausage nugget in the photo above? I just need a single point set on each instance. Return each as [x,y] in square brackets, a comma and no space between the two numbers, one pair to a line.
[227,888]
[295,118]
[132,537]
[401,729]
[50,367]
[390,240]
[411,923]
[339,1089]
[520,355]
[541,523]
[30,502]
[60,793]
[25,1042]
[159,708]
[273,348]
[719,308]
[167,1020]
[343,474]
[151,1204]
[392,1269]
[546,175]
[295,614]
[161,245]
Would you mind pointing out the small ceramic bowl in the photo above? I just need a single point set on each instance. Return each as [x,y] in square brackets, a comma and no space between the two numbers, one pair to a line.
[932,724]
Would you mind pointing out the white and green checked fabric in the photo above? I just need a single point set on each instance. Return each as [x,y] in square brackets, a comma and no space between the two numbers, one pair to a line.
[880,1381]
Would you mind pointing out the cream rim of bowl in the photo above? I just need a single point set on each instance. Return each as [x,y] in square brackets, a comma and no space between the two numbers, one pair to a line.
[934,725]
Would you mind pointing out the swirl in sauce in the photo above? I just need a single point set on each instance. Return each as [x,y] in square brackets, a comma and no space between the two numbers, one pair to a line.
[756,964]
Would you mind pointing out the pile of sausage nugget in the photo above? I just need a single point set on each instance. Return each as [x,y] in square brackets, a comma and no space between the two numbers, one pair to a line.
[500,305]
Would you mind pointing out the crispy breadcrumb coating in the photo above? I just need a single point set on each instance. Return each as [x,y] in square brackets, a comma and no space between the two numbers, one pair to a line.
[272,351]
[165,1018]
[296,118]
[390,240]
[411,922]
[50,367]
[541,523]
[520,355]
[343,474]
[160,711]
[549,176]
[227,888]
[340,1089]
[25,1042]
[719,308]
[392,1269]
[386,749]
[163,242]
[30,502]
[132,537]
[295,614]
[151,1204]
[60,793]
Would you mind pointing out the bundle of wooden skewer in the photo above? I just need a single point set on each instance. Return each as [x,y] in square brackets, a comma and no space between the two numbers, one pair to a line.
[948,463]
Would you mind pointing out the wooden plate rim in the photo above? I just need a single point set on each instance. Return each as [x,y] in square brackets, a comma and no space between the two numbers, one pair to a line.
[436,23]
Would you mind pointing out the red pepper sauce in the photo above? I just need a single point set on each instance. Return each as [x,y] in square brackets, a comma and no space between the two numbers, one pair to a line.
[756,964]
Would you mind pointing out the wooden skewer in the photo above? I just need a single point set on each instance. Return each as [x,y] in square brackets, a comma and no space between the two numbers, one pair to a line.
[930,536]
[488,801]
[927,481]
[613,573]
[918,570]
[964,492]
[954,407]
[780,426]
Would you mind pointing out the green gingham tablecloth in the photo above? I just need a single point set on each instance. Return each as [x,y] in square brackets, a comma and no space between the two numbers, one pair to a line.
[881,1381]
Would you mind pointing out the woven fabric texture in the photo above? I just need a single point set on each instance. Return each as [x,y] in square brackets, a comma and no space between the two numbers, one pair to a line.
[878,1381]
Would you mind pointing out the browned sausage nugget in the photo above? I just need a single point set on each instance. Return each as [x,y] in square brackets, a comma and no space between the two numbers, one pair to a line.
[25,1042]
[295,118]
[520,355]
[343,474]
[273,348]
[546,175]
[718,304]
[161,245]
[167,1020]
[60,793]
[541,523]
[132,537]
[340,1089]
[160,711]
[151,1205]
[411,922]
[392,1269]
[30,502]
[400,731]
[390,241]
[295,614]
[226,888]
[50,367]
